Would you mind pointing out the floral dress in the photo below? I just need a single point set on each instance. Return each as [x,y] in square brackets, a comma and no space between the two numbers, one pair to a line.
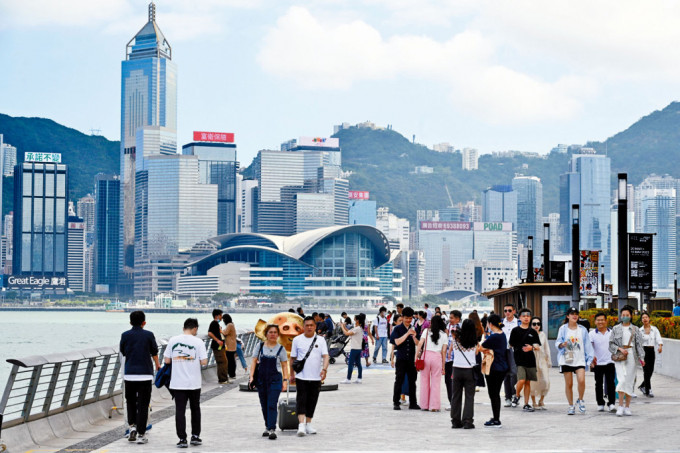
[365,353]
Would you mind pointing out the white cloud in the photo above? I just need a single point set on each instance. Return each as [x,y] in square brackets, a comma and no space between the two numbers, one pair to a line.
[327,55]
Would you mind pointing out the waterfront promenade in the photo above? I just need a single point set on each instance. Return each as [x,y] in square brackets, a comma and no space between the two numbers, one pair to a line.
[359,417]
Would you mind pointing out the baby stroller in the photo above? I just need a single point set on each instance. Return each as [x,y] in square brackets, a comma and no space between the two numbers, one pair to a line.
[336,346]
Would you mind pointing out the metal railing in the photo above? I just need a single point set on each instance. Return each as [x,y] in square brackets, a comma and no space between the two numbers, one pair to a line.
[40,386]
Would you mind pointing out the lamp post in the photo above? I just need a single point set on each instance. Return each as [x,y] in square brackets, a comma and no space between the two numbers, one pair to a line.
[675,288]
[575,257]
[546,253]
[623,239]
[603,278]
[530,260]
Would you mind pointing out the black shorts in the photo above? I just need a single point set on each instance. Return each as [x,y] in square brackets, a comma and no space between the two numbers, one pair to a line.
[307,396]
[570,369]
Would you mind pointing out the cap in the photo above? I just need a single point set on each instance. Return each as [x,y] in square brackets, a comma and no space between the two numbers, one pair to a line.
[572,310]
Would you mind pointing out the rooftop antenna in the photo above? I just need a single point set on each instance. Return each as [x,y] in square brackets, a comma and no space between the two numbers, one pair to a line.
[152,12]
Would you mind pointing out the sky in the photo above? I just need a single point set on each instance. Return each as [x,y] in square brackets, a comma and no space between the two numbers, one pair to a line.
[492,75]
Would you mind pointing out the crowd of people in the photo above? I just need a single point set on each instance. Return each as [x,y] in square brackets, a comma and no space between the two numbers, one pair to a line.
[510,351]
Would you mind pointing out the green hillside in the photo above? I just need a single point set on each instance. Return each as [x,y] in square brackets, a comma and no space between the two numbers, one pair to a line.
[86,155]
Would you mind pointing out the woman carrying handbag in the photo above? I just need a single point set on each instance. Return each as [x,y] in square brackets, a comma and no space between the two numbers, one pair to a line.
[432,353]
[625,344]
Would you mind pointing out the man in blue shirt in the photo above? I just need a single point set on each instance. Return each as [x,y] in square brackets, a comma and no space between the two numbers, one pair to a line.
[405,340]
[676,310]
[139,348]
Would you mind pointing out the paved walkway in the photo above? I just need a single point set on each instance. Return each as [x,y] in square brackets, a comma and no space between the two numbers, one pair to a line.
[361,418]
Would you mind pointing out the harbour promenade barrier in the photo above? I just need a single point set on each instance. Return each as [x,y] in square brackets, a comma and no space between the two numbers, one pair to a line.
[53,385]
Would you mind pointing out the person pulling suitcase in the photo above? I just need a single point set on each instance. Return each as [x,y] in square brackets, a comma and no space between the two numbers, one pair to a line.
[272,377]
[309,365]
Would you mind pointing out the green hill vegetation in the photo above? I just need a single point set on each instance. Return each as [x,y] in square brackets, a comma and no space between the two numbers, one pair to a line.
[383,161]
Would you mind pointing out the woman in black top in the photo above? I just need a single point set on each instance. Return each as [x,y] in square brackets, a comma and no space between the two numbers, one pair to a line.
[497,343]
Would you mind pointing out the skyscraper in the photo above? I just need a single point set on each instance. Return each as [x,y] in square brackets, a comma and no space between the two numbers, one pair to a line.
[529,213]
[40,228]
[107,239]
[499,204]
[75,267]
[587,184]
[657,216]
[217,164]
[8,154]
[148,98]
[470,159]
[86,211]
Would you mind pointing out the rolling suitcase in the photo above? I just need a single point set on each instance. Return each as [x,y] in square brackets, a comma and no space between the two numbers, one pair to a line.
[287,413]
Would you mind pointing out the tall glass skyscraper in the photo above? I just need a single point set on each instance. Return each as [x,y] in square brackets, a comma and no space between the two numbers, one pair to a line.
[107,233]
[657,215]
[499,204]
[588,184]
[529,213]
[148,98]
[40,211]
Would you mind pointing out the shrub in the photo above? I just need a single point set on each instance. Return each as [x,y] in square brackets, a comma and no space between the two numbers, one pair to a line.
[669,326]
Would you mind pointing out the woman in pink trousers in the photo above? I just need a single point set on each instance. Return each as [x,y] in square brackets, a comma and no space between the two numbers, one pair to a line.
[432,348]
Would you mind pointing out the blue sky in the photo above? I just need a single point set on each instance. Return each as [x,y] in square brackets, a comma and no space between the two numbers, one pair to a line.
[521,75]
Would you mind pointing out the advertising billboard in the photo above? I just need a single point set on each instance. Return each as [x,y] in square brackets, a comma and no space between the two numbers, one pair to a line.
[445,226]
[221,137]
[589,272]
[493,226]
[319,141]
[640,262]
[51,158]
[358,194]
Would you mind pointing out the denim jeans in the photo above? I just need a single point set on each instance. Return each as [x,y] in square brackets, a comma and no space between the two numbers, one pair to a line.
[380,343]
[354,358]
[239,352]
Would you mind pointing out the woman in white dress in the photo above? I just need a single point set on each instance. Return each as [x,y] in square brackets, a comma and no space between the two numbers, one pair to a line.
[627,339]
[543,364]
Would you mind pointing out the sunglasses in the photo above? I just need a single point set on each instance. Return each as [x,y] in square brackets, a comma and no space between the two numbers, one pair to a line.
[535,323]
[508,311]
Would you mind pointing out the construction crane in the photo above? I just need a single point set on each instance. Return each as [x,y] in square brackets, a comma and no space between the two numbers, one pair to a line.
[449,194]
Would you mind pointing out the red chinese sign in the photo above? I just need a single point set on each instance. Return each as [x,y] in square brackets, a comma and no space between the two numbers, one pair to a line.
[223,137]
[448,226]
[358,195]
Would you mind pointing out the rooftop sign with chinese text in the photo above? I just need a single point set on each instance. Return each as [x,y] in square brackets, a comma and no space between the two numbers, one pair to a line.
[51,158]
[221,137]
[358,195]
[446,226]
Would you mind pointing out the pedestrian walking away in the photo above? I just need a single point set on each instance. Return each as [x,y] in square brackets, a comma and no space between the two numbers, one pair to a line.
[626,339]
[381,335]
[239,353]
[574,355]
[603,365]
[140,350]
[524,341]
[313,352]
[356,335]
[497,343]
[187,355]
[651,341]
[541,387]
[217,346]
[365,353]
[454,324]
[405,342]
[272,377]
[229,333]
[432,349]
[510,322]
[465,348]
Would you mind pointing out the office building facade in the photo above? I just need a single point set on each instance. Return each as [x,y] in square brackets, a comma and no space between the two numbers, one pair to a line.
[529,191]
[470,159]
[8,155]
[148,98]
[76,253]
[107,238]
[499,204]
[658,216]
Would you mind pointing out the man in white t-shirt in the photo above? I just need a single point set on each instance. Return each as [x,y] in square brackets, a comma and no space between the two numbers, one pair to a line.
[308,381]
[603,365]
[429,312]
[187,354]
[510,322]
[381,335]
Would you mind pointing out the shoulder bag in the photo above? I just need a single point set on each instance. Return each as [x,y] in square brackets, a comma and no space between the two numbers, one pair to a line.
[487,361]
[420,362]
[256,372]
[619,356]
[299,364]
[476,369]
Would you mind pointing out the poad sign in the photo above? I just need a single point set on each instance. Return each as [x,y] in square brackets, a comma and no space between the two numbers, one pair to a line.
[220,137]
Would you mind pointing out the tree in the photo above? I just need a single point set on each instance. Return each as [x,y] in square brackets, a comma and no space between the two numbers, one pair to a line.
[222,298]
[277,297]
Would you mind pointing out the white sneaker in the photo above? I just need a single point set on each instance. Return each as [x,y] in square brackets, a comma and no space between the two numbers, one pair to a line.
[310,429]
[611,408]
[600,408]
[447,408]
[627,412]
[633,395]
[508,403]
[345,381]
[302,432]
[357,381]
[619,411]
[142,439]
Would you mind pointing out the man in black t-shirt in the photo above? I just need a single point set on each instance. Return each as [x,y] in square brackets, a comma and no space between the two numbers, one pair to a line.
[523,340]
[217,346]
[405,340]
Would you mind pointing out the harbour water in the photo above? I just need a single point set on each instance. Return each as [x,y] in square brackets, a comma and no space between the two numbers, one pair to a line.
[45,332]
